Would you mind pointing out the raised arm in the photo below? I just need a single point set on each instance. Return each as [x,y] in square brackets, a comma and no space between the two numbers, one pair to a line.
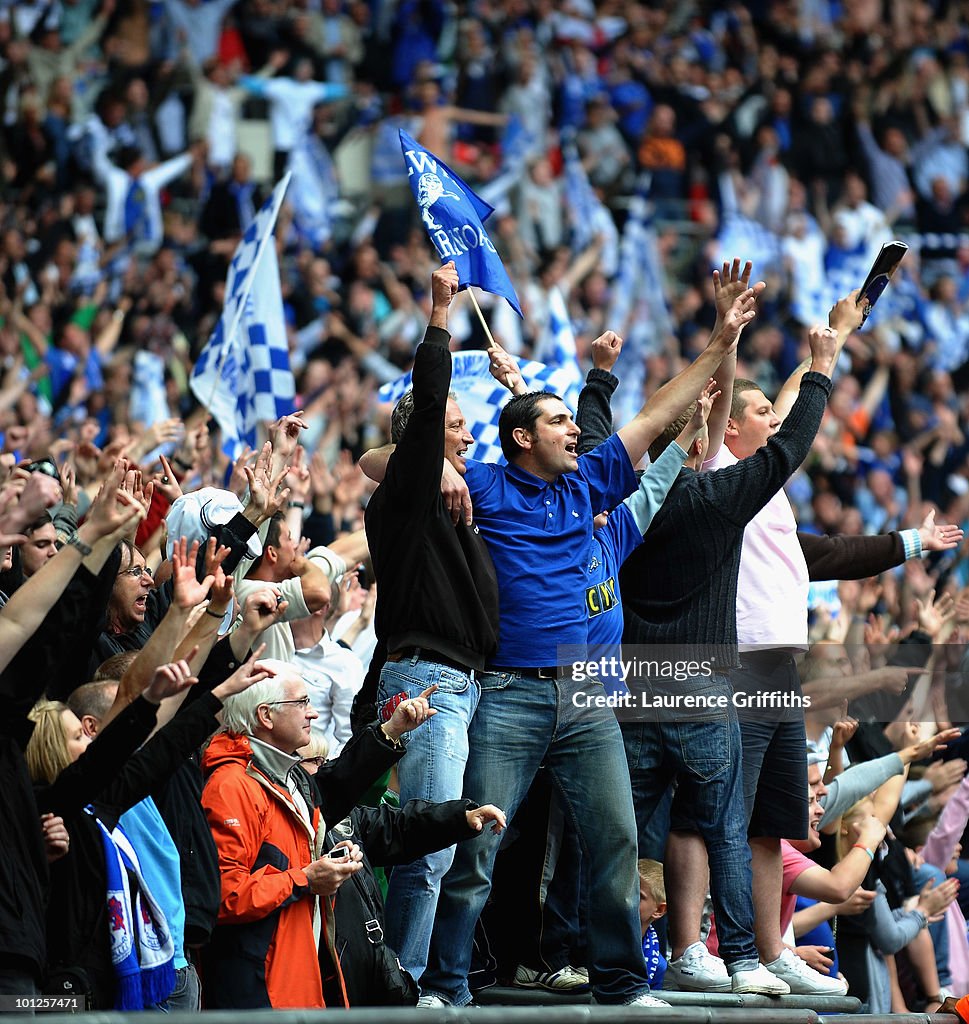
[676,395]
[844,318]
[593,413]
[108,517]
[728,283]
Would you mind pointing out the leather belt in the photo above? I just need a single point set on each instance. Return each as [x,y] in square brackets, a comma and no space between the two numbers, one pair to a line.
[544,672]
[426,654]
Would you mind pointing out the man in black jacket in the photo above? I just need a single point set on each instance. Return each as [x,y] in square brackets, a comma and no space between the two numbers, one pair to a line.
[437,613]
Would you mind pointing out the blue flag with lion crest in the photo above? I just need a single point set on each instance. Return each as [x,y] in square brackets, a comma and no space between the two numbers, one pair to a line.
[453,217]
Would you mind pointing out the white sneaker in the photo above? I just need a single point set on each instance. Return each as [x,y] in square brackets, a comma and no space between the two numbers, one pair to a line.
[804,980]
[584,971]
[759,981]
[697,970]
[432,1001]
[566,979]
[645,999]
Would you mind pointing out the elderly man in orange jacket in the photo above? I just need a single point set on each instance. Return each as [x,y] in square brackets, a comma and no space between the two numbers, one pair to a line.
[266,816]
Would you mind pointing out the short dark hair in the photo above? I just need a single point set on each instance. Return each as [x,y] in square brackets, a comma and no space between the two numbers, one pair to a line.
[400,417]
[401,414]
[272,538]
[738,404]
[521,411]
[42,520]
[670,433]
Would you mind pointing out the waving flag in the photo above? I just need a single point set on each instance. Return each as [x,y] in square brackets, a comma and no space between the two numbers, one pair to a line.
[315,190]
[243,376]
[557,348]
[588,215]
[482,398]
[454,219]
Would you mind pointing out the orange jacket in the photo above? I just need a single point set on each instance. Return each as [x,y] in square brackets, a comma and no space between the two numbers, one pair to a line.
[263,951]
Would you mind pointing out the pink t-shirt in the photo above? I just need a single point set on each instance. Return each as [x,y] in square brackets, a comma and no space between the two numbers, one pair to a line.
[772,589]
[794,864]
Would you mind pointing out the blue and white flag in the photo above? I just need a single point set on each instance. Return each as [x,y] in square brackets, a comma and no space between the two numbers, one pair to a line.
[588,215]
[454,219]
[638,309]
[557,347]
[482,398]
[315,190]
[243,376]
[517,143]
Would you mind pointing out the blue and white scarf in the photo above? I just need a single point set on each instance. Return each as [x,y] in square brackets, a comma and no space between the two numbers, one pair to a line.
[142,951]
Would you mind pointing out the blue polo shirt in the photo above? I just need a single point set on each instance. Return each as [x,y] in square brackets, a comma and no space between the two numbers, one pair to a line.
[540,536]
[611,545]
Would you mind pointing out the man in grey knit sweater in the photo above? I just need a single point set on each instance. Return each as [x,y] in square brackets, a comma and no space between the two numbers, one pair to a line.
[679,588]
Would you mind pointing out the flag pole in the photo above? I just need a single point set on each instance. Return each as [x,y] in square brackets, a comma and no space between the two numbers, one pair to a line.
[474,302]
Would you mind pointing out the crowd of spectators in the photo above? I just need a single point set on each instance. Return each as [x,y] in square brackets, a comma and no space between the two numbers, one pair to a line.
[138,138]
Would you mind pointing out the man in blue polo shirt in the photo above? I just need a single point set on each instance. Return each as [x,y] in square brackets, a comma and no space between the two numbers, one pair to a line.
[536,516]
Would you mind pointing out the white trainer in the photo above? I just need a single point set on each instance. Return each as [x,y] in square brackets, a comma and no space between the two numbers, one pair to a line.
[432,1001]
[645,999]
[758,981]
[697,970]
[804,980]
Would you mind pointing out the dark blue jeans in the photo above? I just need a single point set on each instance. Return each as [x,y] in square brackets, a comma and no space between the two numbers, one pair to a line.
[700,750]
[523,722]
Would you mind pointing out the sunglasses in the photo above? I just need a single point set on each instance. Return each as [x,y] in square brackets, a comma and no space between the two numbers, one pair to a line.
[318,760]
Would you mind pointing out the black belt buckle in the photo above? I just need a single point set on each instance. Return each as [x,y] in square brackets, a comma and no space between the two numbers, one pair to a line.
[550,672]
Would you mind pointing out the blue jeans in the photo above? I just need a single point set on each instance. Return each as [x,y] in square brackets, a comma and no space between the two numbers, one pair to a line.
[523,722]
[701,751]
[432,769]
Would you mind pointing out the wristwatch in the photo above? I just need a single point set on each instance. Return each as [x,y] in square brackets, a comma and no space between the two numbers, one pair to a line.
[76,542]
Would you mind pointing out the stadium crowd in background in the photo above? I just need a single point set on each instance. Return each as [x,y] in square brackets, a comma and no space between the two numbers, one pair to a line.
[628,150]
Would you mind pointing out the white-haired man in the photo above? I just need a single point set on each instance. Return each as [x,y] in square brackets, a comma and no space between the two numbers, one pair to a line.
[266,818]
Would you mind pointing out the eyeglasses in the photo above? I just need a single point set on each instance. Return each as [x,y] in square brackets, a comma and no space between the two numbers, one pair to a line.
[318,760]
[302,702]
[137,571]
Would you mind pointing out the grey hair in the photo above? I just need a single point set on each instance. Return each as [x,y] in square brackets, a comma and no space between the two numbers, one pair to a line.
[400,417]
[239,710]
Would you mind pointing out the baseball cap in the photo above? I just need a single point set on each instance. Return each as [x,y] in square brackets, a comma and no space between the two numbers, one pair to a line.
[194,515]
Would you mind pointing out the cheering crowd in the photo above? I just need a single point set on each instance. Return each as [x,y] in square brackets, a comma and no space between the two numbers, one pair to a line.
[234,775]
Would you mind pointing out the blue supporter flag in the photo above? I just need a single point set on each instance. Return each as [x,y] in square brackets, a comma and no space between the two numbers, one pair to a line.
[243,376]
[482,398]
[453,217]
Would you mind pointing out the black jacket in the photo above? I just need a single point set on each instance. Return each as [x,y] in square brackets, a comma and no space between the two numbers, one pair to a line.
[113,775]
[438,587]
[388,835]
[53,656]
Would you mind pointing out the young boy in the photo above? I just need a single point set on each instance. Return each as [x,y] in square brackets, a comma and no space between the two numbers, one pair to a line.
[652,906]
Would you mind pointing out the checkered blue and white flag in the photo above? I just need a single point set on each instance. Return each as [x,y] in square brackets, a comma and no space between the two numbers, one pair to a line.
[243,376]
[482,398]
